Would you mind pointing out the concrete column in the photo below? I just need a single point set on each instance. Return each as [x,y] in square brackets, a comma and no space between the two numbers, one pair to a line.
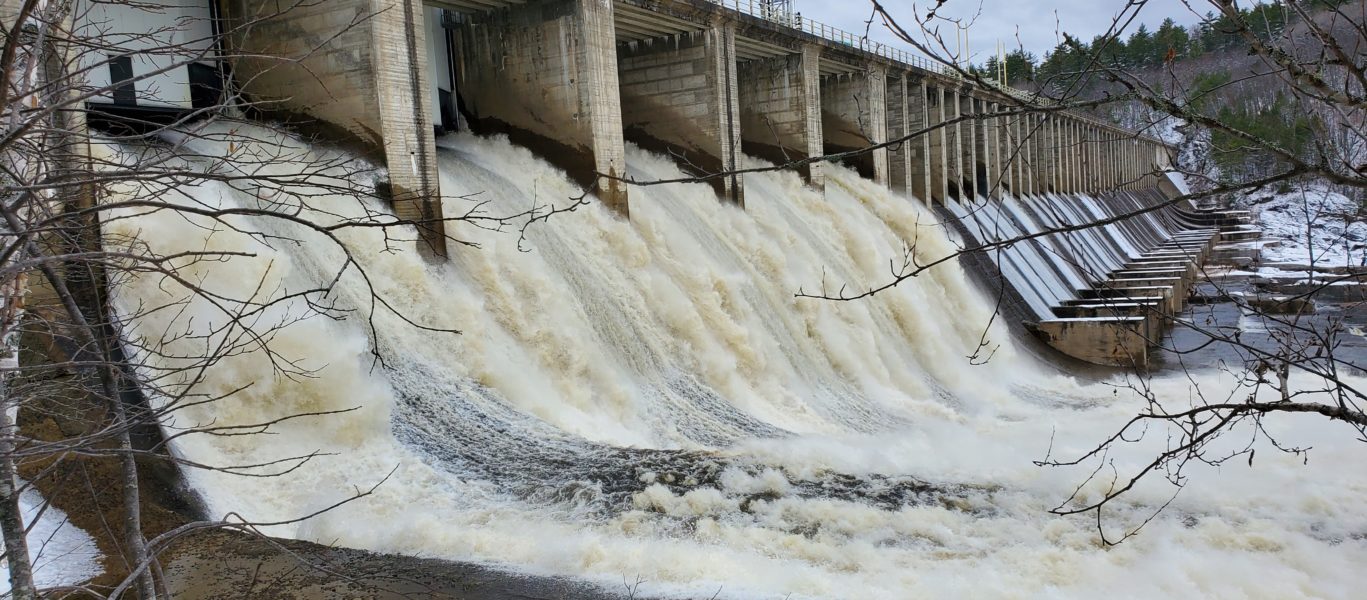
[1110,161]
[969,175]
[919,119]
[937,176]
[546,74]
[982,166]
[956,145]
[997,127]
[1026,164]
[352,66]
[1093,155]
[780,110]
[1071,153]
[723,63]
[854,117]
[679,95]
[1060,154]
[878,119]
[405,111]
[1041,150]
[899,119]
[811,92]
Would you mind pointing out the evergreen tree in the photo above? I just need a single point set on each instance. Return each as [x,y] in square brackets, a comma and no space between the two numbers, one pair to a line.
[1172,40]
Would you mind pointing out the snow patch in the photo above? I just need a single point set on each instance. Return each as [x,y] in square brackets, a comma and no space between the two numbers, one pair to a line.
[1311,225]
[62,553]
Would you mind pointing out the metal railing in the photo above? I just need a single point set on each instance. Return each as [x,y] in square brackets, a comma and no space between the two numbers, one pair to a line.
[763,10]
[766,11]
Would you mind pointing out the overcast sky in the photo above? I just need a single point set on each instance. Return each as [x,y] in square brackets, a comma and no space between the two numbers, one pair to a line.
[1032,23]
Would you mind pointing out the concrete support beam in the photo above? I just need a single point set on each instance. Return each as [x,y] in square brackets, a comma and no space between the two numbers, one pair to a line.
[679,94]
[981,161]
[919,116]
[899,123]
[1055,153]
[1025,167]
[955,153]
[1000,180]
[970,149]
[780,110]
[405,110]
[354,67]
[854,117]
[1043,155]
[1066,128]
[937,177]
[545,73]
[878,109]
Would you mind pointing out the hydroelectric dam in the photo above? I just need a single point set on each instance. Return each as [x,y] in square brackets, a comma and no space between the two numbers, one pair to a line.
[633,395]
[708,82]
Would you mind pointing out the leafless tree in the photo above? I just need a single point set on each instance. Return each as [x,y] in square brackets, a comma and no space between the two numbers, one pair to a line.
[63,183]
[1319,61]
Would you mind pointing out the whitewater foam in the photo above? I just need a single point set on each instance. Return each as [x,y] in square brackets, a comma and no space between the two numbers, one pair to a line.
[648,398]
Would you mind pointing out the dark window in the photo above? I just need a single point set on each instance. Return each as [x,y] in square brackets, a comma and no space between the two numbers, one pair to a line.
[206,86]
[121,80]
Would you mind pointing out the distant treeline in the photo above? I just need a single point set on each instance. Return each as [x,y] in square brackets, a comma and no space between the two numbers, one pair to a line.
[1265,109]
[1146,49]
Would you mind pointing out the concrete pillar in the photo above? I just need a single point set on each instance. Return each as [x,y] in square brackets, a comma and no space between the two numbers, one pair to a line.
[679,95]
[899,120]
[878,118]
[937,177]
[545,73]
[1071,153]
[1056,154]
[955,153]
[352,66]
[1026,166]
[1111,179]
[780,110]
[980,172]
[1041,149]
[920,118]
[1093,165]
[969,150]
[854,117]
[997,127]
[405,110]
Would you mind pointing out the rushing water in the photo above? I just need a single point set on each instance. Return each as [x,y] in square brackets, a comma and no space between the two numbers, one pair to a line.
[648,400]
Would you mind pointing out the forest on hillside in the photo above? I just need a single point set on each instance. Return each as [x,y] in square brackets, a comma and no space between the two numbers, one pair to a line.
[1210,68]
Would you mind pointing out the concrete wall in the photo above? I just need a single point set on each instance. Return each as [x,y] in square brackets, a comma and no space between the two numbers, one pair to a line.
[854,116]
[899,117]
[328,62]
[780,110]
[938,176]
[546,74]
[680,94]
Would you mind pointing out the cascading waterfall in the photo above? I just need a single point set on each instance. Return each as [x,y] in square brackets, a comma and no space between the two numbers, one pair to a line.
[648,399]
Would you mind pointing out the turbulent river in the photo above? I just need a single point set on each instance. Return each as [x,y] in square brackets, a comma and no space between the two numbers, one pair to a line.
[648,400]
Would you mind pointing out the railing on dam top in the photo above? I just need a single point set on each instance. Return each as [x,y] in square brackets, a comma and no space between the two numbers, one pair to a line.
[782,16]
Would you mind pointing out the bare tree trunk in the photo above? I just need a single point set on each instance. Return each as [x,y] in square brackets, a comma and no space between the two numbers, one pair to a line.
[11,514]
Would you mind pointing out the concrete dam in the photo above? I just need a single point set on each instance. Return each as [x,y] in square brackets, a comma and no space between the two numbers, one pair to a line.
[637,398]
[707,82]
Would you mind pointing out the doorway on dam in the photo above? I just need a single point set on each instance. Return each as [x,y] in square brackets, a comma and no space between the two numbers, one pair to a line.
[439,25]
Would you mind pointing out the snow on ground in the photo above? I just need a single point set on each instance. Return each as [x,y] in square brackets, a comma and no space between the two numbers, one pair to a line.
[1335,238]
[62,553]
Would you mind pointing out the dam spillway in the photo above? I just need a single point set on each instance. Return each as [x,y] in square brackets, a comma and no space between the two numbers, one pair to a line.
[645,398]
[703,81]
